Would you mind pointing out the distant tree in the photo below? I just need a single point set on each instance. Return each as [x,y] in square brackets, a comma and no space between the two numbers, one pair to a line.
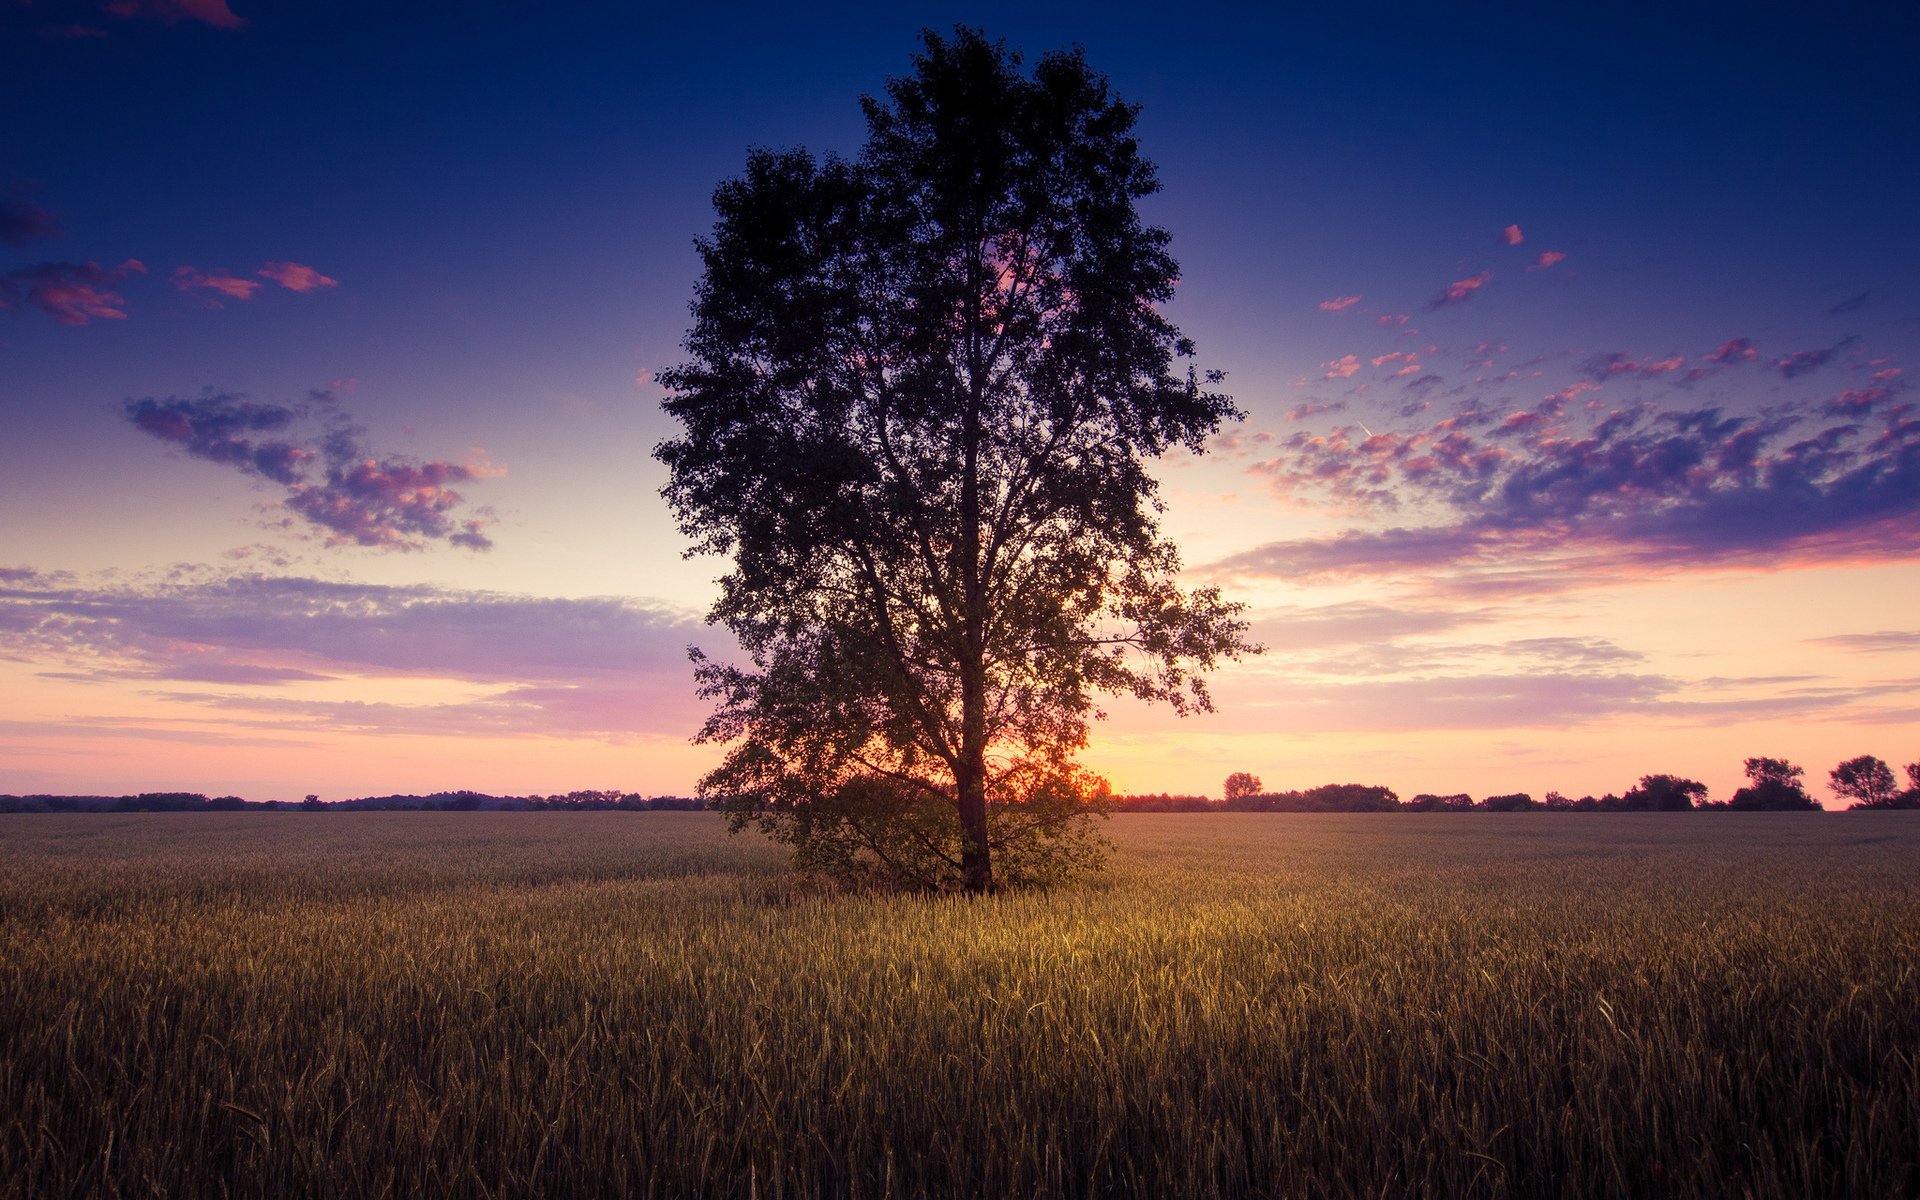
[1866,780]
[1664,793]
[1458,802]
[1557,803]
[1240,785]
[312,803]
[1162,802]
[1515,802]
[1351,797]
[1773,786]
[922,391]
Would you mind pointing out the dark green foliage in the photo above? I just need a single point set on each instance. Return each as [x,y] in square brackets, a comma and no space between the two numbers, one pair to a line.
[922,391]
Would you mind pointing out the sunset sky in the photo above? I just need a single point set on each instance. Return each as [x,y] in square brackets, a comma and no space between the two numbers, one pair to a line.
[1576,346]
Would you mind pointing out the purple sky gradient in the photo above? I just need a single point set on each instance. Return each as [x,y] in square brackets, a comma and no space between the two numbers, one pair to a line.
[1577,348]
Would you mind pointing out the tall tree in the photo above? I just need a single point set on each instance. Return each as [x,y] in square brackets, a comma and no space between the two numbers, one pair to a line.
[1773,784]
[922,391]
[1866,780]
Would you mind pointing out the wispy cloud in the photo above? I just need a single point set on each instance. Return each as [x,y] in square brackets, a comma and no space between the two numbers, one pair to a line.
[542,666]
[1564,498]
[1513,235]
[1547,258]
[70,293]
[22,221]
[1735,350]
[1885,641]
[1795,365]
[1461,290]
[331,478]
[188,279]
[210,12]
[296,277]
[1339,303]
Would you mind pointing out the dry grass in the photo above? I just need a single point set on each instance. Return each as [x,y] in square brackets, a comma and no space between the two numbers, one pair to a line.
[634,1005]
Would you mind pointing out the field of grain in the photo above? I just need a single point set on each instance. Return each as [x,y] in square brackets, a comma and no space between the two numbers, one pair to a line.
[517,1004]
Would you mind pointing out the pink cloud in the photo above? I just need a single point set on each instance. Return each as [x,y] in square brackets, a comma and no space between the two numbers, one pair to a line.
[1513,235]
[212,12]
[1663,366]
[1409,369]
[1396,356]
[1388,320]
[70,293]
[1572,391]
[1883,376]
[1339,303]
[1342,367]
[1737,350]
[188,278]
[296,278]
[332,478]
[1547,258]
[1461,290]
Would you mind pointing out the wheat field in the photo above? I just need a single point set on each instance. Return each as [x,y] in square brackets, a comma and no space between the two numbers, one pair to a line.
[612,1004]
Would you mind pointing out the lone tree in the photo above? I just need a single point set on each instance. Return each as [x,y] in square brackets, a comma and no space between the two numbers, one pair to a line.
[1239,786]
[1866,780]
[921,392]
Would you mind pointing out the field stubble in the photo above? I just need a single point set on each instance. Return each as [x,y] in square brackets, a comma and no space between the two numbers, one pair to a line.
[1247,1005]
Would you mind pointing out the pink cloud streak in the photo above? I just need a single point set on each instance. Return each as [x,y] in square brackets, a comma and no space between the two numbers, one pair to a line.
[296,277]
[211,12]
[71,293]
[187,279]
[1461,290]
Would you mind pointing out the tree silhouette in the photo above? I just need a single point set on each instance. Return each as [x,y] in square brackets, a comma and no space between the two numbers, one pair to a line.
[921,393]
[1865,780]
[1239,786]
[1664,793]
[1773,785]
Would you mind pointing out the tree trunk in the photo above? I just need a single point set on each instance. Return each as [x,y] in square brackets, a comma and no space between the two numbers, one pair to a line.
[976,863]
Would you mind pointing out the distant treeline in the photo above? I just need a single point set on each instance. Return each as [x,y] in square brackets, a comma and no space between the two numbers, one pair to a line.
[1773,785]
[586,801]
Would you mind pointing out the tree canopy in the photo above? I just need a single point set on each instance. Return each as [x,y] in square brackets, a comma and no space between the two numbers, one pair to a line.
[1867,781]
[922,391]
[1773,784]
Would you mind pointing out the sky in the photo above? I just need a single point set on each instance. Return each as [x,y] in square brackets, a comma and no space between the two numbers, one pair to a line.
[1576,347]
